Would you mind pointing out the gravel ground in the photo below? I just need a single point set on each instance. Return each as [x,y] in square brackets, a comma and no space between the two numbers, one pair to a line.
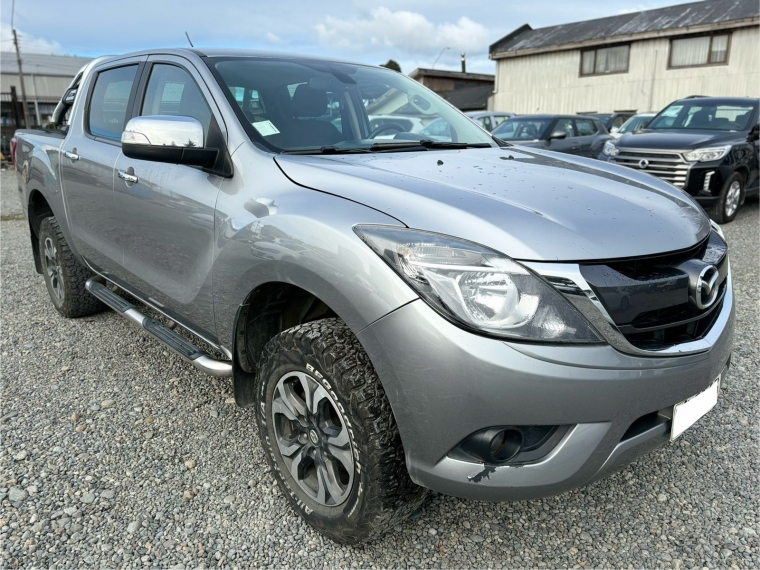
[115,453]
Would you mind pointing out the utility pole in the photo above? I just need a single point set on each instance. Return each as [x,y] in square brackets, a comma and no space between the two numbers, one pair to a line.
[21,81]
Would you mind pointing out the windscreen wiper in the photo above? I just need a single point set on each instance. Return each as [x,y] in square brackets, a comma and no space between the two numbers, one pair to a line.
[446,144]
[327,150]
[426,144]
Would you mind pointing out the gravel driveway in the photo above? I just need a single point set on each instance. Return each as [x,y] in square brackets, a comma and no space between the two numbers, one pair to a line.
[115,453]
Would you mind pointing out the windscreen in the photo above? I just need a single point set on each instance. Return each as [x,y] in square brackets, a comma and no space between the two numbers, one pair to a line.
[634,123]
[704,115]
[291,104]
[521,129]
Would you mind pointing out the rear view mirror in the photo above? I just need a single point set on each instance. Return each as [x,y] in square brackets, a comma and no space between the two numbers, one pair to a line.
[164,138]
[558,134]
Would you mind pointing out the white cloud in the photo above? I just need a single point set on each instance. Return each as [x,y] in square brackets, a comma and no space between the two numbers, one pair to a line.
[403,31]
[274,38]
[27,43]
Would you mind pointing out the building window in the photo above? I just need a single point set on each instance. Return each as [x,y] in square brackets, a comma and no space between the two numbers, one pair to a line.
[602,61]
[702,50]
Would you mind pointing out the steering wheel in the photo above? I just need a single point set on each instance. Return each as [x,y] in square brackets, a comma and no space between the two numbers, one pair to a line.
[733,126]
[386,127]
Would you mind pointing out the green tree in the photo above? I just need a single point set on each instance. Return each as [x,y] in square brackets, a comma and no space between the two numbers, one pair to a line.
[392,64]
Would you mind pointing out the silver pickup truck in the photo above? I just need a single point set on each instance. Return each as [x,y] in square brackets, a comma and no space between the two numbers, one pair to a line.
[459,314]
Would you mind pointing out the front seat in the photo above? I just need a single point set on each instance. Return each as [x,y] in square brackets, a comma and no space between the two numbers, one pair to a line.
[702,119]
[305,129]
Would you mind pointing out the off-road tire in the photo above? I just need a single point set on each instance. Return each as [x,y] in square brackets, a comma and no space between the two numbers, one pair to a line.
[75,301]
[718,211]
[382,494]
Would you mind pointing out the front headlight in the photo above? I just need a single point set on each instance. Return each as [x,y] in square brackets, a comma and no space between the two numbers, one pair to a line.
[707,154]
[610,149]
[478,288]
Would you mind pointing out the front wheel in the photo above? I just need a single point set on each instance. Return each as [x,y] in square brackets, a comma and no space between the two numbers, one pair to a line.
[329,433]
[731,197]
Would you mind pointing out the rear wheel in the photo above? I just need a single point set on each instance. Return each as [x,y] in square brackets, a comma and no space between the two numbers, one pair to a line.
[64,275]
[731,197]
[329,433]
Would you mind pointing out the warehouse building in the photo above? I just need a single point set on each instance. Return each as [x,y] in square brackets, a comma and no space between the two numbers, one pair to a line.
[639,61]
[466,91]
[46,77]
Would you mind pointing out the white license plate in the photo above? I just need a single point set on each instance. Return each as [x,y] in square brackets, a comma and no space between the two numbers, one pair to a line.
[689,411]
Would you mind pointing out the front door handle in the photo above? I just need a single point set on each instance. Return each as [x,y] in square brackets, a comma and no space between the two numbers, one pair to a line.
[127,177]
[71,155]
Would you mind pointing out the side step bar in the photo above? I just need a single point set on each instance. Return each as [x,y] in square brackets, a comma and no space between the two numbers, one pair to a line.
[178,344]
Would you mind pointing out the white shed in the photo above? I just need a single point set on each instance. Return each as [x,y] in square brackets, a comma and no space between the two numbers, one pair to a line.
[639,61]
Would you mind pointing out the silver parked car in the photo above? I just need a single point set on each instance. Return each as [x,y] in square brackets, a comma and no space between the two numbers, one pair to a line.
[489,120]
[489,321]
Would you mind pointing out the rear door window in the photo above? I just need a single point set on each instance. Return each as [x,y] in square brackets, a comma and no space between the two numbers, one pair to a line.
[109,100]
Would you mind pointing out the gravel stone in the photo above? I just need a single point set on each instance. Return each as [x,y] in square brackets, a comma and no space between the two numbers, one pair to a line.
[20,456]
[710,518]
[88,498]
[105,404]
[17,494]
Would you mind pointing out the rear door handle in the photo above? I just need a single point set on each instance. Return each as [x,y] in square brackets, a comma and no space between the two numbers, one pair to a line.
[127,177]
[71,155]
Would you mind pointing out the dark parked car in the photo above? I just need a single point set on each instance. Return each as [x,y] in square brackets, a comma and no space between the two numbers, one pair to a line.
[612,120]
[708,146]
[573,134]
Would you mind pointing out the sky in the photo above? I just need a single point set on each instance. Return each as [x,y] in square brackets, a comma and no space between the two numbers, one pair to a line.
[412,32]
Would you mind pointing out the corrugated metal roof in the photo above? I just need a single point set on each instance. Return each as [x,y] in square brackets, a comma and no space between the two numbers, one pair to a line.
[42,64]
[670,18]
[425,72]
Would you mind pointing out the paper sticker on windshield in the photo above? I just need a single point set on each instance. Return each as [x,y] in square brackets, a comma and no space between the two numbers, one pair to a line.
[265,128]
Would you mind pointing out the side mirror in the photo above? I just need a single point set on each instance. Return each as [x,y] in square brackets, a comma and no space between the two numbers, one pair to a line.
[166,138]
[613,130]
[558,134]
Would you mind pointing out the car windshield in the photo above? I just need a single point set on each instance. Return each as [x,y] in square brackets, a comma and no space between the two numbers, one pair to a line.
[705,115]
[521,129]
[634,123]
[300,105]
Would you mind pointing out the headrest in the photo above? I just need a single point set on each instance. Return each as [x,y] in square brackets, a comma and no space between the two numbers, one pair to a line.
[308,102]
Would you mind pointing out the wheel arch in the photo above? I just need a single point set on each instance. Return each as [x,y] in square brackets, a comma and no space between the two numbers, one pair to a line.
[269,309]
[38,209]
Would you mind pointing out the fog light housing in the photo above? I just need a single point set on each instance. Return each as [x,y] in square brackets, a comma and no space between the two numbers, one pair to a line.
[509,445]
[706,184]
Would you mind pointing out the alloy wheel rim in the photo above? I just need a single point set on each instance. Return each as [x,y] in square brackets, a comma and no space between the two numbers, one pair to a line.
[313,439]
[732,198]
[53,268]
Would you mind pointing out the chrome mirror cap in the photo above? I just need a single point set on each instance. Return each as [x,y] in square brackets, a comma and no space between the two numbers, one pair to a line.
[163,130]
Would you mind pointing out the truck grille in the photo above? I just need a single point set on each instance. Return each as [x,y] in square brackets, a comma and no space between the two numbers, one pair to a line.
[669,166]
[648,298]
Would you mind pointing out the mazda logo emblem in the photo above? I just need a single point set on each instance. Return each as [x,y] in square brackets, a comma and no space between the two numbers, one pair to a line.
[707,287]
[643,163]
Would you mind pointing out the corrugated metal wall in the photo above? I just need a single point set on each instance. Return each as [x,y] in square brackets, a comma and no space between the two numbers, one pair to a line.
[550,83]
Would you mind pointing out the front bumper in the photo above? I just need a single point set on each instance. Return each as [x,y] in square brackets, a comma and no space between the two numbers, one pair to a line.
[444,384]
